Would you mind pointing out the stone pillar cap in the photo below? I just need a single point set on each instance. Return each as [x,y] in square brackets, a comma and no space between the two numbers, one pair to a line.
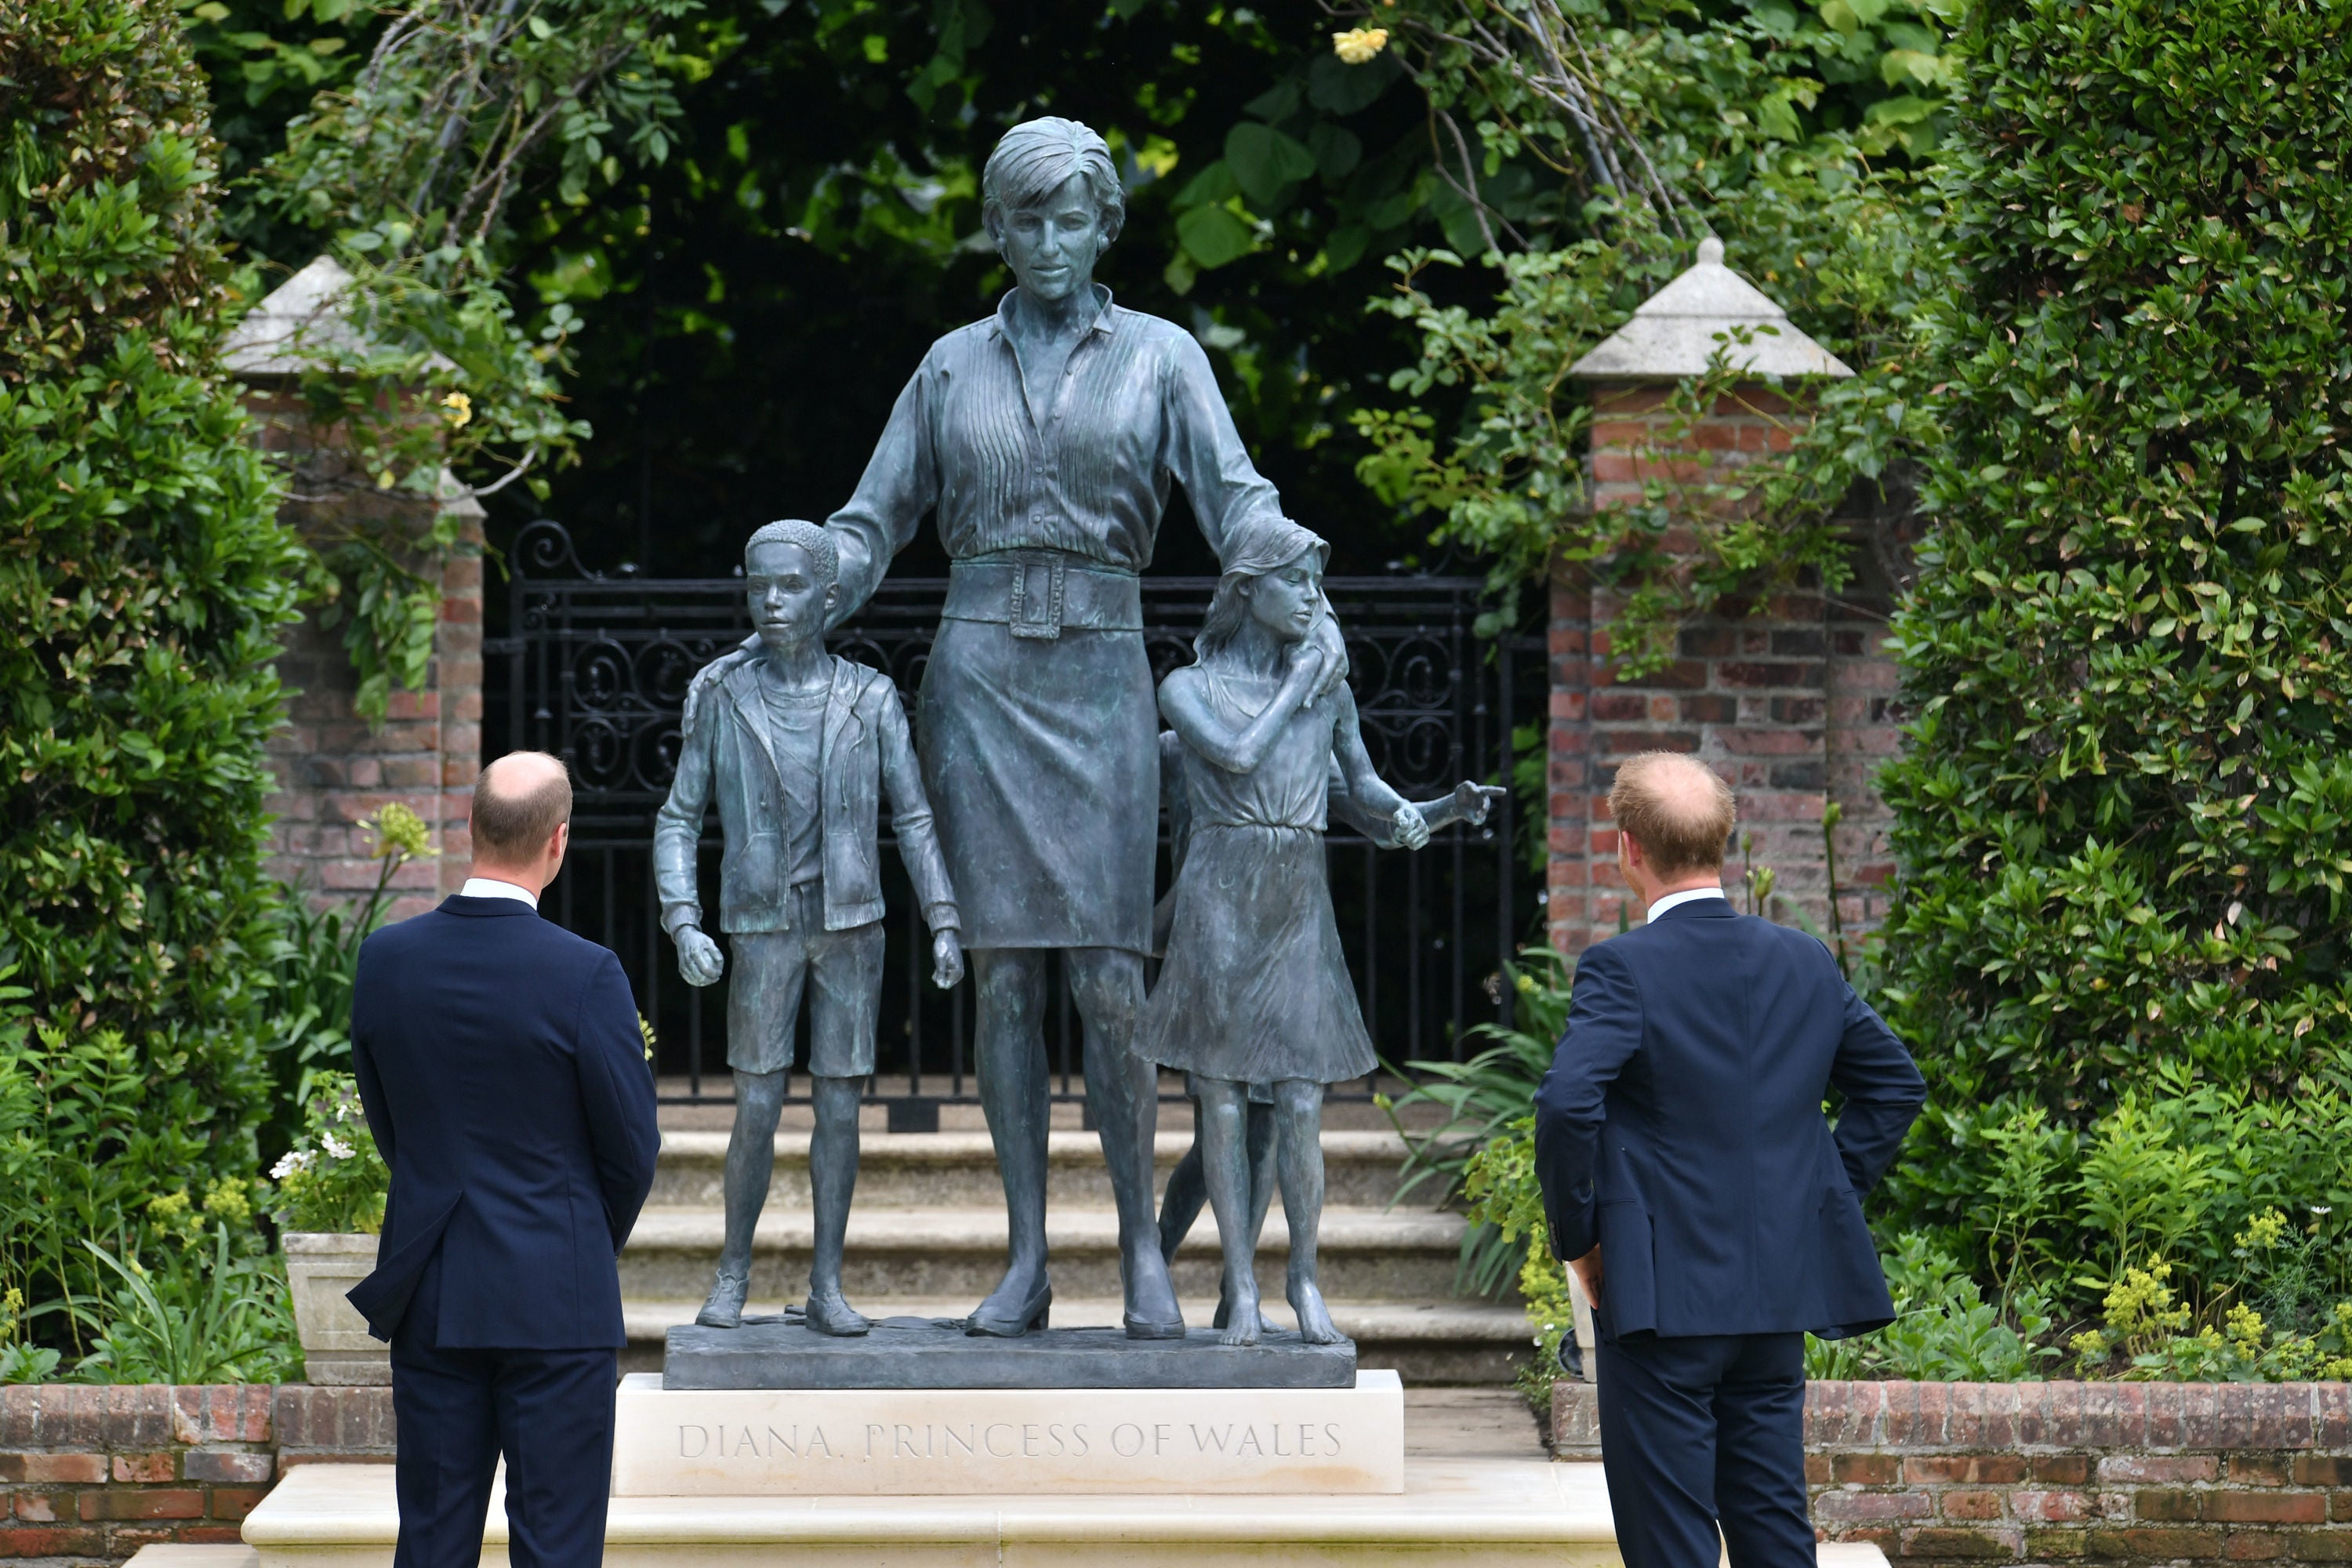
[1680,328]
[301,325]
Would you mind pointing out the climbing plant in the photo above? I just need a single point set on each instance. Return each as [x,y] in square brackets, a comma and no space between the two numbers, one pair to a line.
[1795,135]
[406,174]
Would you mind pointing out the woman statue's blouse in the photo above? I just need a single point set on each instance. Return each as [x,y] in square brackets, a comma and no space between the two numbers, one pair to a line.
[1138,407]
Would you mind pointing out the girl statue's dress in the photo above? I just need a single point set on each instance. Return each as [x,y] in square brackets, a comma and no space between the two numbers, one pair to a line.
[1254,990]
[1254,987]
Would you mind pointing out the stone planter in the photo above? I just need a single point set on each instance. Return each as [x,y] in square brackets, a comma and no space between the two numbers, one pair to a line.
[336,1345]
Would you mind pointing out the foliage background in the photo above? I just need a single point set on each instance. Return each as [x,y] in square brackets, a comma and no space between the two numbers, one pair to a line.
[145,578]
[2122,815]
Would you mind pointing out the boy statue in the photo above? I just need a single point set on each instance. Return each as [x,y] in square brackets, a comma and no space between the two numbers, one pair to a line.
[797,746]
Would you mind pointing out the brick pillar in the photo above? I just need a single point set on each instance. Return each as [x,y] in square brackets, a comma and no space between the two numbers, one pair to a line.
[334,768]
[1790,698]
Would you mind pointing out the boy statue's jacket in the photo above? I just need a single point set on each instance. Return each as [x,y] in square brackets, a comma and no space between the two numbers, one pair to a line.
[724,751]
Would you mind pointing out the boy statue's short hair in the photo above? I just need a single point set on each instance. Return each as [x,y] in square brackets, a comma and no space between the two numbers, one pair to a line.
[823,553]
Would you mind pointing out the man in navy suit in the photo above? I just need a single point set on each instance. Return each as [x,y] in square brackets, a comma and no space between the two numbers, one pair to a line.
[506,1083]
[1694,1184]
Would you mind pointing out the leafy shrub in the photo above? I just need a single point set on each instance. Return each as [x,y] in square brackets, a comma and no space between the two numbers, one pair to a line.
[1478,1101]
[2125,815]
[332,1179]
[20,1362]
[1944,1329]
[143,578]
[314,961]
[199,1315]
[1504,1199]
[90,1136]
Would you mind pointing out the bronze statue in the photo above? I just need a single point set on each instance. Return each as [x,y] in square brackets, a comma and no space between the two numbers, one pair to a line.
[797,745]
[1044,438]
[1255,989]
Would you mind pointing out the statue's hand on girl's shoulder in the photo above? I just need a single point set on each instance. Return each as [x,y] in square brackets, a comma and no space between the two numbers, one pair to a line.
[1326,639]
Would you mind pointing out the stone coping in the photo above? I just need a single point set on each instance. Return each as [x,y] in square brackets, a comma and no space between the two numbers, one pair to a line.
[2017,1415]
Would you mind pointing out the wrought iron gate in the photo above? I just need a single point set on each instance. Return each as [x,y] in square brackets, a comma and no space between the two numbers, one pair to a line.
[594,668]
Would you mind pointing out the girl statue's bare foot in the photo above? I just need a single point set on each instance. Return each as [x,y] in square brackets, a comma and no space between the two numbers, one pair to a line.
[1243,1324]
[1315,1324]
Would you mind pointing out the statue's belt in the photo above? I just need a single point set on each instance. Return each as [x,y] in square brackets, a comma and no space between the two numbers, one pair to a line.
[1038,592]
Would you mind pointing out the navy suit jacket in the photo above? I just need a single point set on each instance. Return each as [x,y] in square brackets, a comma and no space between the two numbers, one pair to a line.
[1681,1130]
[505,1080]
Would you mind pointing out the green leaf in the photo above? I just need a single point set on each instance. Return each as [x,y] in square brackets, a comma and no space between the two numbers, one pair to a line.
[1896,66]
[1336,87]
[1903,109]
[1264,162]
[1215,236]
[1777,118]
[1211,186]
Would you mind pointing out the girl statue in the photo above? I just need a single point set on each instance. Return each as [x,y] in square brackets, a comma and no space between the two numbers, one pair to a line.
[1254,989]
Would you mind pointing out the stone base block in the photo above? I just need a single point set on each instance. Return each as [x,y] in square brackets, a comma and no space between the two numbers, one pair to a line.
[1526,1513]
[1456,1514]
[1001,1442]
[936,1353]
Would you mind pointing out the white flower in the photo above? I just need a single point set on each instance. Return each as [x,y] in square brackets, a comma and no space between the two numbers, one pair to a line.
[291,1162]
[337,1147]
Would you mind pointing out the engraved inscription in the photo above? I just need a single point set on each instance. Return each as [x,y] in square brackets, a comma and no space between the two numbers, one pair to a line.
[1015,1440]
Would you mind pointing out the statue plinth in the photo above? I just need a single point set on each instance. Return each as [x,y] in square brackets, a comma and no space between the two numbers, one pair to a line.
[911,1353]
[1003,1442]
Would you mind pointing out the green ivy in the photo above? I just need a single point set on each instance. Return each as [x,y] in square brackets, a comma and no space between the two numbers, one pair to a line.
[2122,816]
[144,579]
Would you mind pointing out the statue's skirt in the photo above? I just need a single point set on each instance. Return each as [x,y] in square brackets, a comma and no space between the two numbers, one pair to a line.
[1040,756]
[1255,988]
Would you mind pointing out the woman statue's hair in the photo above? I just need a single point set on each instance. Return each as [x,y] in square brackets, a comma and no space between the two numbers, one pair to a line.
[1254,548]
[1036,158]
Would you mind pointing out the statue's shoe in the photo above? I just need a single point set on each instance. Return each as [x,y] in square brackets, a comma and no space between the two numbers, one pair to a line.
[1152,1310]
[725,1308]
[831,1315]
[1033,1314]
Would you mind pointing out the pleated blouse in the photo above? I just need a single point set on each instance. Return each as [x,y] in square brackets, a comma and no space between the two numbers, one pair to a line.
[1138,408]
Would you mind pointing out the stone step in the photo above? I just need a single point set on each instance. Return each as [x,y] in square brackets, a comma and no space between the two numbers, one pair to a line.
[1460,1513]
[958,1254]
[958,1169]
[1449,1344]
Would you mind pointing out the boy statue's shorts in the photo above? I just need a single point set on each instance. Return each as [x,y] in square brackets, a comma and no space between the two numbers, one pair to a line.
[841,972]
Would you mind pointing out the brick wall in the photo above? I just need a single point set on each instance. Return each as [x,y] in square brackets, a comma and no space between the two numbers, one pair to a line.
[90,1475]
[2120,1473]
[334,768]
[1790,698]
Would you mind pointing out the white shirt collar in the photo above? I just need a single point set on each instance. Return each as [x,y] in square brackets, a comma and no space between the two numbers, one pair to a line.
[1688,896]
[492,887]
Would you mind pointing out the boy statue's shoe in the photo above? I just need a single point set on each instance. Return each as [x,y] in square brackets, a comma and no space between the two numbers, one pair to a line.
[831,1315]
[725,1308]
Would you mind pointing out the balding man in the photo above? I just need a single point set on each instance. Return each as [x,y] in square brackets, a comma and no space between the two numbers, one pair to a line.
[1694,1184]
[505,1082]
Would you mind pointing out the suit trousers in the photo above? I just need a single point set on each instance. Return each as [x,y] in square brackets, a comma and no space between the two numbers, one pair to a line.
[548,1412]
[1706,1429]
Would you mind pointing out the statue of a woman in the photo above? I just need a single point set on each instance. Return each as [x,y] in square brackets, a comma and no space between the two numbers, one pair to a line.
[1046,437]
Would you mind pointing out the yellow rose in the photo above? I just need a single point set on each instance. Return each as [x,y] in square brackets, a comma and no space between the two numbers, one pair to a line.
[1357,45]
